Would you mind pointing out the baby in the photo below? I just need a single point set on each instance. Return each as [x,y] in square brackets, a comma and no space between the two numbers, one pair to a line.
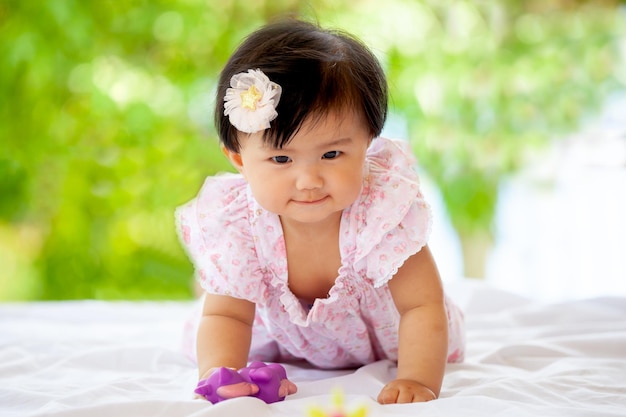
[317,248]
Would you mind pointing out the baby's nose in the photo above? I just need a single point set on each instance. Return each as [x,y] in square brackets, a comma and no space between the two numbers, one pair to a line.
[309,178]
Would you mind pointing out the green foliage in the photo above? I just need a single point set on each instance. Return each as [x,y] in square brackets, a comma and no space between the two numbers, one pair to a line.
[106,117]
[483,85]
[105,129]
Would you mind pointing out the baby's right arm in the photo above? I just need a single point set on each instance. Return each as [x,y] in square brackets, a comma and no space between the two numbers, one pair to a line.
[224,333]
[224,337]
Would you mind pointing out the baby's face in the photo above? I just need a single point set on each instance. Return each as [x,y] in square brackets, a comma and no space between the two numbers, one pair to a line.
[314,177]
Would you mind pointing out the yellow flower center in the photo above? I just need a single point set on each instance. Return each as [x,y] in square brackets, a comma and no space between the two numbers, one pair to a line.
[250,98]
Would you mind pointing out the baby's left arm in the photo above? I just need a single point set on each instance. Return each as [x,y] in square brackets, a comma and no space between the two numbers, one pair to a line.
[423,347]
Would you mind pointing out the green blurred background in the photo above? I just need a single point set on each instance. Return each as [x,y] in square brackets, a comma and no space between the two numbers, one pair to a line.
[105,118]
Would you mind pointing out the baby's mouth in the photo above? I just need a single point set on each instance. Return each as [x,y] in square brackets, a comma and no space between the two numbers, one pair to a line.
[312,201]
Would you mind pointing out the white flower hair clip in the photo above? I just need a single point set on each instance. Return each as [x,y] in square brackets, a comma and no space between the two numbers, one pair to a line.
[250,103]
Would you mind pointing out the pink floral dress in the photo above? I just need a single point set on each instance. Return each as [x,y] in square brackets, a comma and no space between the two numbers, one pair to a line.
[238,249]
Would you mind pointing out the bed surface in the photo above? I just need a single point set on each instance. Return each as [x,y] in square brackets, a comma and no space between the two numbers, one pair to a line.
[524,358]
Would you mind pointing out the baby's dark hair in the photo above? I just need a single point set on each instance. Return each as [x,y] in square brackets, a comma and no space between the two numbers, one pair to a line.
[319,71]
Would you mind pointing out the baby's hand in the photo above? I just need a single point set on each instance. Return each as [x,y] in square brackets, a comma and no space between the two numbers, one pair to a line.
[267,382]
[405,391]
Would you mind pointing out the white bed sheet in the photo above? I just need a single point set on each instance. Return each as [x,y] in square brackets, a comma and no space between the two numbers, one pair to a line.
[106,359]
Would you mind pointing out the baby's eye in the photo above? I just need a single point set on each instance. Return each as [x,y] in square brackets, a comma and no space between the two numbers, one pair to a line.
[331,155]
[281,159]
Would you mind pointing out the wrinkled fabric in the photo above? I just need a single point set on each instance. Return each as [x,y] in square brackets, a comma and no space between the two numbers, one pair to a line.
[103,358]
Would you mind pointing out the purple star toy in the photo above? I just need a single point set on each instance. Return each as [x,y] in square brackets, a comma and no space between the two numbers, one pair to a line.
[267,377]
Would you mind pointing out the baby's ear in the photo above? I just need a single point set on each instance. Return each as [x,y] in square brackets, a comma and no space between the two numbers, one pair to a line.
[234,158]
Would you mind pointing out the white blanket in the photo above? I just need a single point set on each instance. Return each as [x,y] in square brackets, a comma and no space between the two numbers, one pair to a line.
[106,359]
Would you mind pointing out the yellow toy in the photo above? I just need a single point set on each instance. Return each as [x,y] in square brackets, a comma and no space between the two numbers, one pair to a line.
[337,410]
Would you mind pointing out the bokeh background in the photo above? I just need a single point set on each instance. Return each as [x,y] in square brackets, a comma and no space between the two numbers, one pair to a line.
[106,111]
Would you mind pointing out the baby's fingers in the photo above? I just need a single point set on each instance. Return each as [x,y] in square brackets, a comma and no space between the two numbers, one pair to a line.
[388,395]
[405,391]
[241,389]
[287,388]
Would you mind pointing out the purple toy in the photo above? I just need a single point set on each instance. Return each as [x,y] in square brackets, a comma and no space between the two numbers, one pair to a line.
[266,377]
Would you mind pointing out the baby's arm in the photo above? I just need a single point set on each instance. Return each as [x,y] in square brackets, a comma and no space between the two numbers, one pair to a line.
[418,294]
[224,337]
[224,333]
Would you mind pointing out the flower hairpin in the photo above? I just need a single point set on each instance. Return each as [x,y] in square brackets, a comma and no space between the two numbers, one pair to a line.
[250,103]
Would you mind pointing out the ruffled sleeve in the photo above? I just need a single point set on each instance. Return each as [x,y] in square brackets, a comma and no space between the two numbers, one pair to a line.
[214,230]
[391,220]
